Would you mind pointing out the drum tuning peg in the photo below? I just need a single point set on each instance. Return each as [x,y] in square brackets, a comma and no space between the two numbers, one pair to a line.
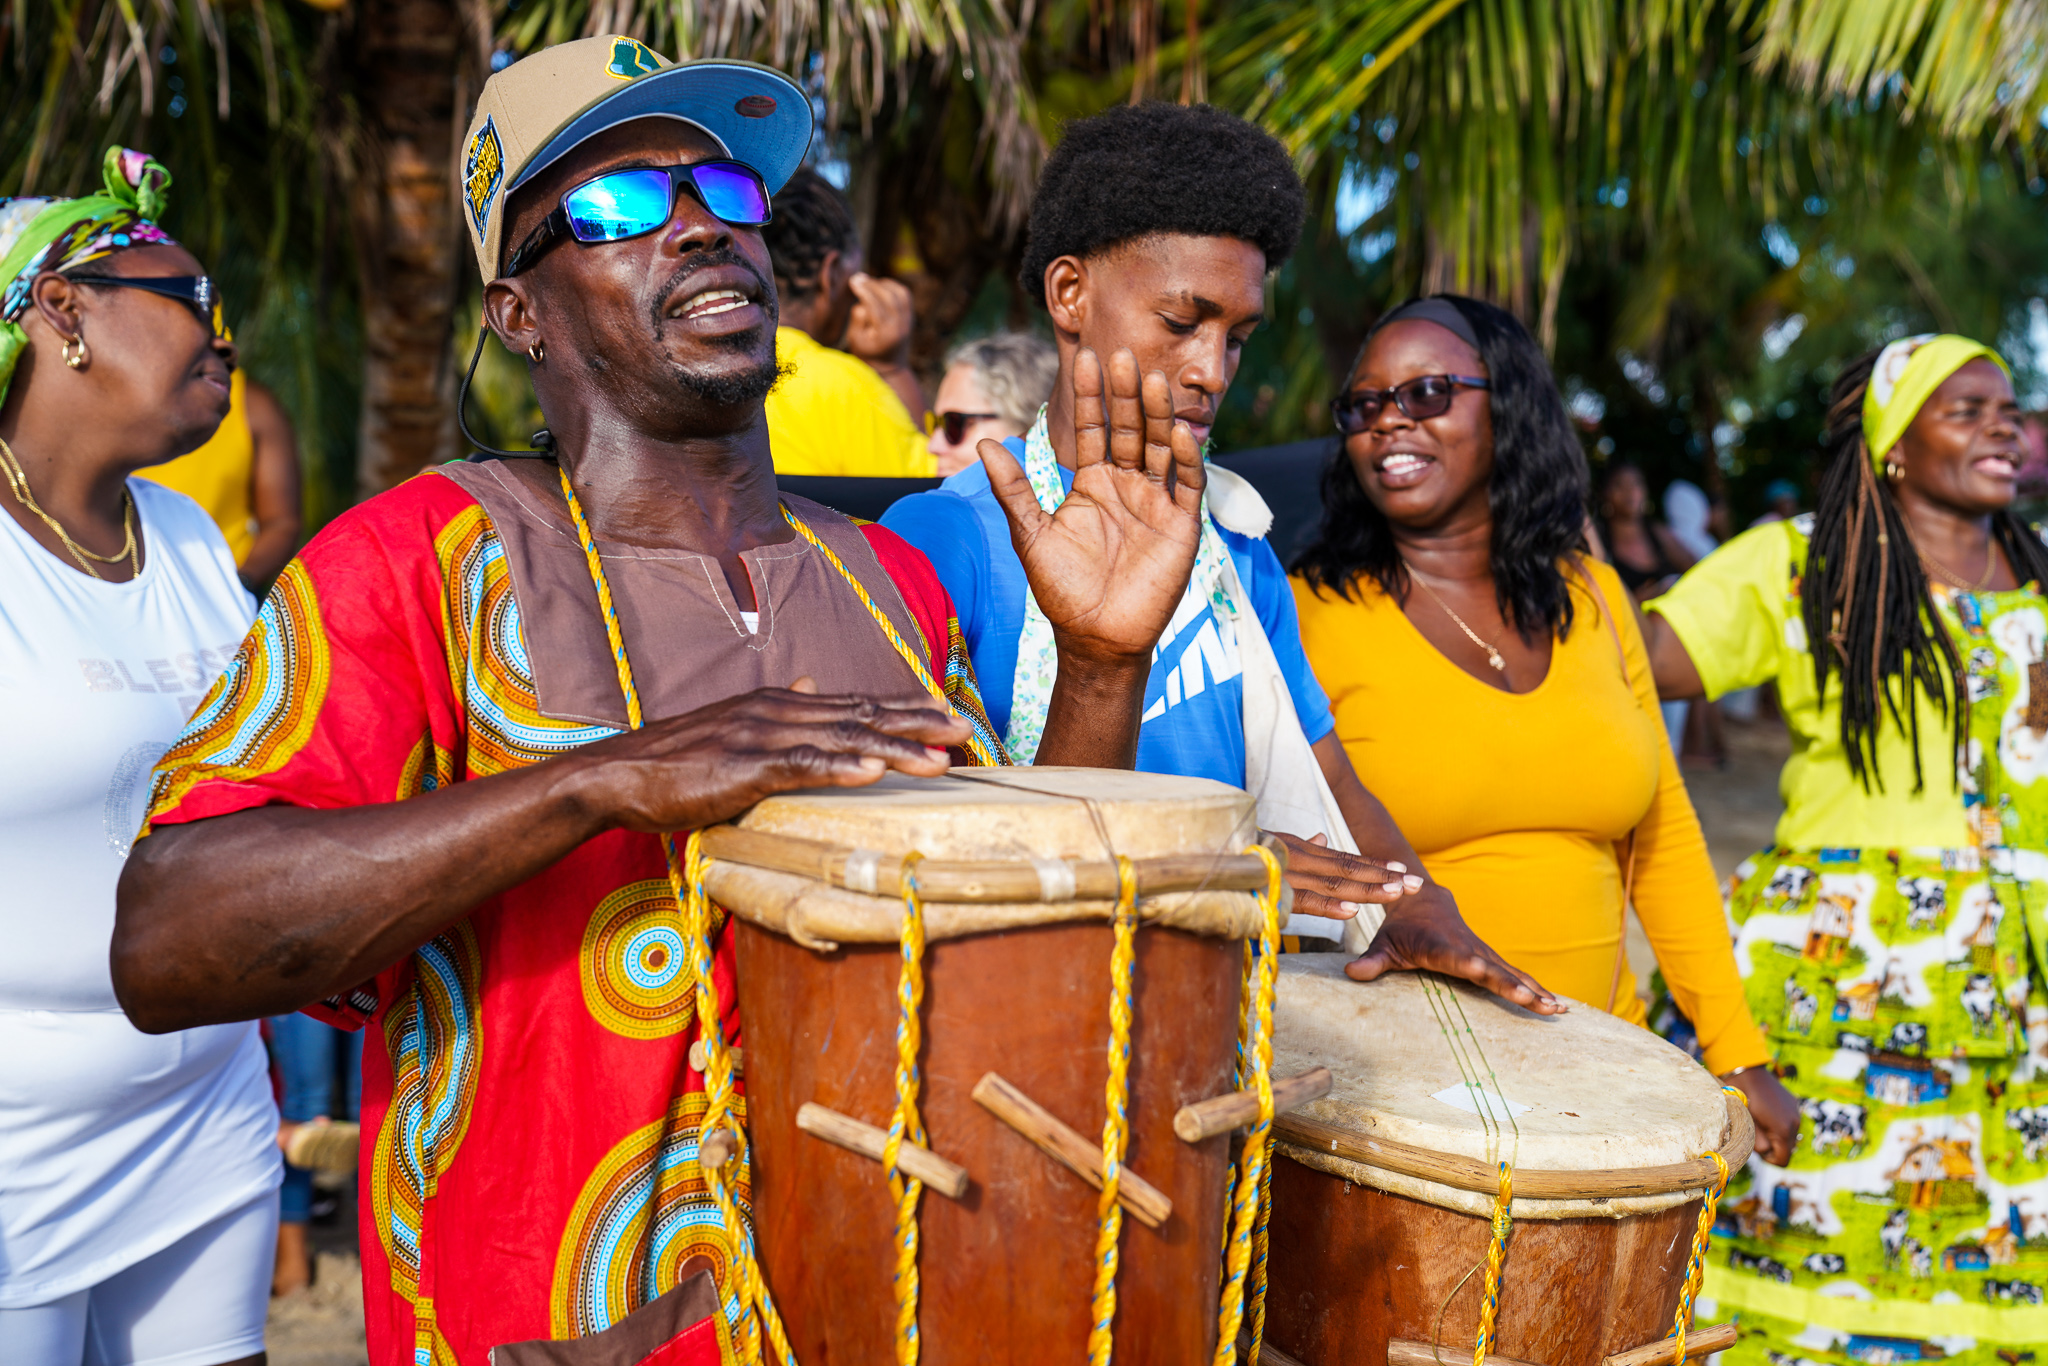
[947,1178]
[1146,1202]
[1221,1114]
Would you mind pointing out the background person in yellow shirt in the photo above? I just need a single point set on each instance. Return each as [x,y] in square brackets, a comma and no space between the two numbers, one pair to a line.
[246,476]
[848,402]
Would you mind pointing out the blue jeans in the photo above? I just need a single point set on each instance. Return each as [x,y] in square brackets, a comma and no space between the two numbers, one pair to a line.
[320,1065]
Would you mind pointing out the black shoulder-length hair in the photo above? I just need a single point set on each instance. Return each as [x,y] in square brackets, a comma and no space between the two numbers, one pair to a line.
[1864,598]
[1538,491]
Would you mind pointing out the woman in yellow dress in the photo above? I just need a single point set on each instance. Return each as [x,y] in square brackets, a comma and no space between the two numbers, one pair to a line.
[1490,683]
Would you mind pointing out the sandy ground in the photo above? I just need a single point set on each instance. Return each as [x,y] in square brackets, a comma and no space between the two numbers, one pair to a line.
[1738,807]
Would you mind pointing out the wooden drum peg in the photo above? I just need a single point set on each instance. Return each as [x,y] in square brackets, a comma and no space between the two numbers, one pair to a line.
[1221,1114]
[716,1148]
[700,1058]
[1403,1353]
[1146,1202]
[947,1178]
[1717,1338]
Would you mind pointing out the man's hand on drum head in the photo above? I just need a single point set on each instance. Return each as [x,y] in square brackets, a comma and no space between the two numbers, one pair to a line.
[1425,933]
[713,763]
[1109,567]
[1329,882]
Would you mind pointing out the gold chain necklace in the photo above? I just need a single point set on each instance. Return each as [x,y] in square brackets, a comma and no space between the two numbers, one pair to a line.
[17,479]
[1493,655]
[1941,570]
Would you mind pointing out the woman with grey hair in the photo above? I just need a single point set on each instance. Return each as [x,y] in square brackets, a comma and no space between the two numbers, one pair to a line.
[994,387]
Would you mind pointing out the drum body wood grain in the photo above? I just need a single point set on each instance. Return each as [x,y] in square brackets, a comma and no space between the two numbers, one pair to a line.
[1353,1267]
[1371,1242]
[1007,1272]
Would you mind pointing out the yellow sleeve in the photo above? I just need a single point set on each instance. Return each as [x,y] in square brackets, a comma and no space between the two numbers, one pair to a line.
[1676,895]
[831,414]
[1732,611]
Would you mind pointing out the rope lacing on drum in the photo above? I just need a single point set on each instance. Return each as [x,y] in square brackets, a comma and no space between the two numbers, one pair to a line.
[1252,1203]
[749,1289]
[1116,1126]
[981,752]
[905,1124]
[1475,1071]
[1696,1265]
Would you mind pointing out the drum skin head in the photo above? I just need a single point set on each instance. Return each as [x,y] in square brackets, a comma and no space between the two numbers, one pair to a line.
[1006,813]
[1600,1093]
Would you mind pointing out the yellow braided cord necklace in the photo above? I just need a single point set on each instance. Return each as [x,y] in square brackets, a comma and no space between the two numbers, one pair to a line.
[981,752]
[905,1124]
[1116,1127]
[1696,1266]
[755,1307]
[1261,974]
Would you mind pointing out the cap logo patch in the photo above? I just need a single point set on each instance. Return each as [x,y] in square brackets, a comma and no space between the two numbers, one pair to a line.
[756,106]
[483,172]
[632,59]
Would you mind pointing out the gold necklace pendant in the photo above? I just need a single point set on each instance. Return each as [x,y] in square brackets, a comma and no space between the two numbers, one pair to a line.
[1493,654]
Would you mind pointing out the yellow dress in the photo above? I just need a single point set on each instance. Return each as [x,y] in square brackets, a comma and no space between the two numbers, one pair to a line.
[832,414]
[221,475]
[1518,802]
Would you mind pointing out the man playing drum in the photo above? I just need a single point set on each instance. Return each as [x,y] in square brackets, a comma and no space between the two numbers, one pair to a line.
[360,819]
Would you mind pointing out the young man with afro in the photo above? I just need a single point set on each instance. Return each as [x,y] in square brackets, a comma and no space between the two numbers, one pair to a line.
[1153,229]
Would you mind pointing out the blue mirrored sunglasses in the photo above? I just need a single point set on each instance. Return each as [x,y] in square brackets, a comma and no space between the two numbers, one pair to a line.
[632,202]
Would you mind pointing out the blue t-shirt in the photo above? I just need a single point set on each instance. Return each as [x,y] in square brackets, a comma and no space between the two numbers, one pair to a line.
[1194,702]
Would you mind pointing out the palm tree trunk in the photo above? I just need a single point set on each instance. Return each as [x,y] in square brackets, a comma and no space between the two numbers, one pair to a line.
[410,243]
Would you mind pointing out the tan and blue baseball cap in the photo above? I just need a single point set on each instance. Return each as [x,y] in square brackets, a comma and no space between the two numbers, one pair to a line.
[534,111]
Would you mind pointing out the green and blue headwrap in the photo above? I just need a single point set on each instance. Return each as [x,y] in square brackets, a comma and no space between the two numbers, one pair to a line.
[39,234]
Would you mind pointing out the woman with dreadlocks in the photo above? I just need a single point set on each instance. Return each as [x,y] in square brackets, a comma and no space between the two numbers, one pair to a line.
[1891,938]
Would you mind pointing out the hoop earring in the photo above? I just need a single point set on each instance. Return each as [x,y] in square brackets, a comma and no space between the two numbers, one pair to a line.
[537,352]
[81,358]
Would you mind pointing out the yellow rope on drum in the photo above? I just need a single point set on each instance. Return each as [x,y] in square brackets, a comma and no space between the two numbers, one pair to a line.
[756,1307]
[1116,1126]
[1489,1299]
[1250,1205]
[1696,1266]
[980,751]
[905,1124]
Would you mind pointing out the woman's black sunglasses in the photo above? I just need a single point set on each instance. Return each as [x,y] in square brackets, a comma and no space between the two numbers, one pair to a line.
[955,425]
[1423,397]
[196,292]
[637,200]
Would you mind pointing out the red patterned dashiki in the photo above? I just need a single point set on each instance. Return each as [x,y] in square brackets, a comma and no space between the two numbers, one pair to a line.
[534,1168]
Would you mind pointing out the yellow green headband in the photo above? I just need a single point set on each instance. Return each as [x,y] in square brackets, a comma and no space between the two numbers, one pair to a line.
[1906,374]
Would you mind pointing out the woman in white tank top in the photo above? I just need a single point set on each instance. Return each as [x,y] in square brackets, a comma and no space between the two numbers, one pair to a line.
[138,1173]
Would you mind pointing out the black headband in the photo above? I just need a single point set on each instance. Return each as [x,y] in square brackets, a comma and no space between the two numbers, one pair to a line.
[1435,309]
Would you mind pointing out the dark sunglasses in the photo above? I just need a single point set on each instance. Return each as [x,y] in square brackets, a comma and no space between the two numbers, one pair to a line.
[196,292]
[955,425]
[1423,397]
[636,201]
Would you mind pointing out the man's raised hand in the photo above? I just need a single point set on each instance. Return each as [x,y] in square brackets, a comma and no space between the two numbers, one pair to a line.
[1109,567]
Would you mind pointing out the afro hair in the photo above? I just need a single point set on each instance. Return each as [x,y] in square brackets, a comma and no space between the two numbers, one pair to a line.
[1137,170]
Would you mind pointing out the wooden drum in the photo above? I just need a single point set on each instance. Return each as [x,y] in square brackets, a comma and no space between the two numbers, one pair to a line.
[1383,1206]
[1018,883]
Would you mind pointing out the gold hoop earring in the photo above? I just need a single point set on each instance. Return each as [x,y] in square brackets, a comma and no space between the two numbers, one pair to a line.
[537,352]
[81,358]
